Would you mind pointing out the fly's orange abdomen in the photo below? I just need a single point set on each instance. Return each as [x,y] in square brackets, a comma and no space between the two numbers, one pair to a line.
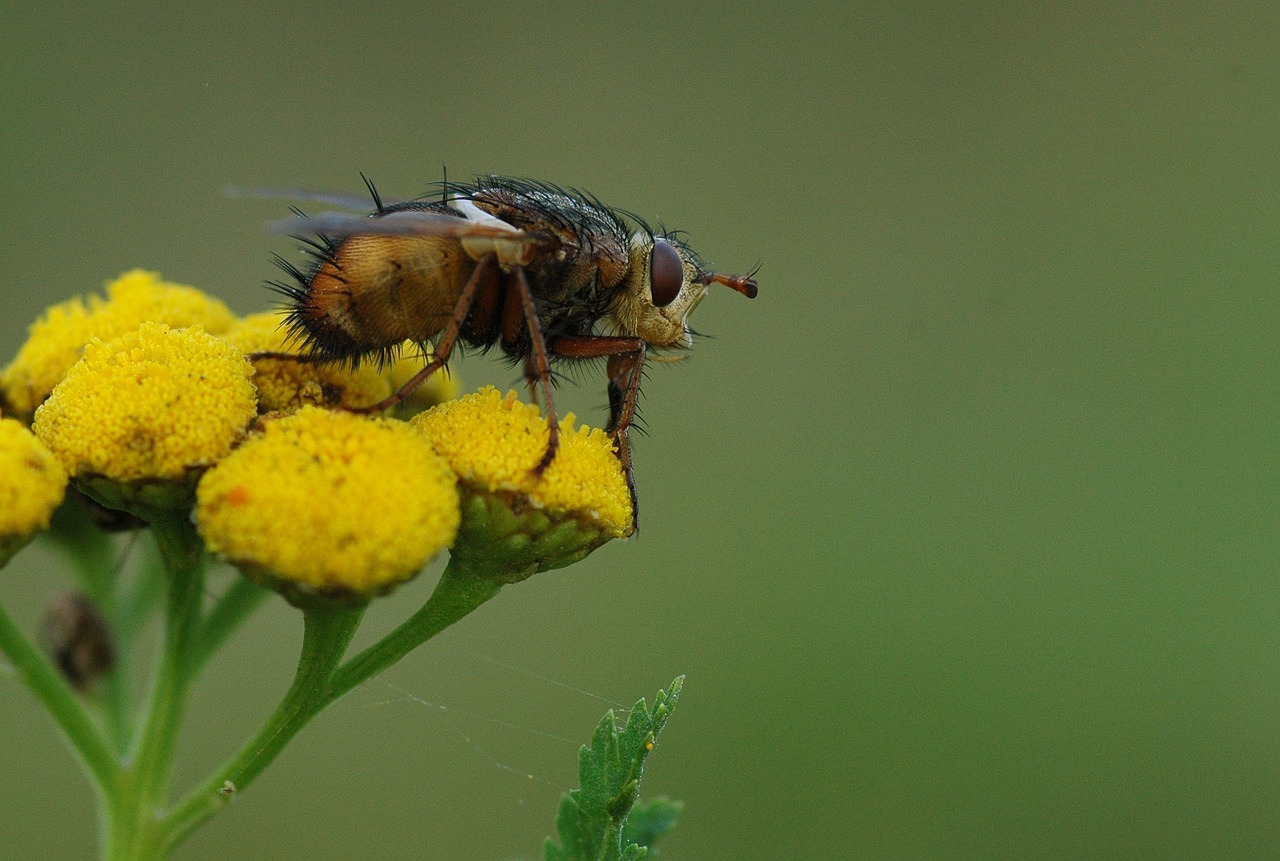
[374,291]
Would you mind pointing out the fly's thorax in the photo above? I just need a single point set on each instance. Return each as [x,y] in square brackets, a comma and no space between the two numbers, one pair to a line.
[661,289]
[509,251]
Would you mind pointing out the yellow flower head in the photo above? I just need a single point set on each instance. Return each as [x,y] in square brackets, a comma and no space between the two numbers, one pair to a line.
[56,341]
[330,503]
[494,444]
[149,405]
[286,386]
[32,484]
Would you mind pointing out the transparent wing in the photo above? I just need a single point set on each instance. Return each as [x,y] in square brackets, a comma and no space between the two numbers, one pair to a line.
[347,201]
[400,223]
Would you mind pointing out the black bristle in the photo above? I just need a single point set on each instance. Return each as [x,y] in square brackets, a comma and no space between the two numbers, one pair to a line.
[373,192]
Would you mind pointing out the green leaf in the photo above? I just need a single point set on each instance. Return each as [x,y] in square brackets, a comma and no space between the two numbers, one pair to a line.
[601,821]
[650,820]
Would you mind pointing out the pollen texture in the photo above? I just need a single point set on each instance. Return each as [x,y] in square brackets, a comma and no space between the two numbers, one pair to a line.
[330,502]
[32,481]
[56,341]
[286,386]
[150,404]
[494,443]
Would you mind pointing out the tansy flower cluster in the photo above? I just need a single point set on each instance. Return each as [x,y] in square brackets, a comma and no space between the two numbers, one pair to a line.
[152,405]
[154,399]
[153,408]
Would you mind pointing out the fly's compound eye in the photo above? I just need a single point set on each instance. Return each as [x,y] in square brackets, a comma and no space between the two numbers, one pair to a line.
[666,274]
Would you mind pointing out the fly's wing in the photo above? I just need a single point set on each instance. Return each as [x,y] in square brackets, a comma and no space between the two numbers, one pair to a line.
[512,247]
[406,222]
[346,201]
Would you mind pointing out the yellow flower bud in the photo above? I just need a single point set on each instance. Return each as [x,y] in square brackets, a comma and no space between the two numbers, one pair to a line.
[151,406]
[333,504]
[32,484]
[286,386]
[528,522]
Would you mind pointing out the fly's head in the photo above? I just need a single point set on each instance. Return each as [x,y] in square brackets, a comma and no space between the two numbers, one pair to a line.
[664,283]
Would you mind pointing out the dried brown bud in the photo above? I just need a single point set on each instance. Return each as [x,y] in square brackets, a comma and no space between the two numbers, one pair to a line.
[78,640]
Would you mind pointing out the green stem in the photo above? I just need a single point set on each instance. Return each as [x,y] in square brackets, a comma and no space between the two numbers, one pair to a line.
[327,633]
[240,599]
[320,682]
[92,551]
[58,699]
[133,829]
[182,551]
[130,604]
[138,596]
[455,596]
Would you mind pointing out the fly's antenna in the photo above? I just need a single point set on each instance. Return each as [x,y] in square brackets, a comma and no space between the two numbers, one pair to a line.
[744,284]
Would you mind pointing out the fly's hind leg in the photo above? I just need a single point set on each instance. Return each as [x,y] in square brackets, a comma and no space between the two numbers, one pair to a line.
[537,366]
[483,277]
[531,378]
[300,358]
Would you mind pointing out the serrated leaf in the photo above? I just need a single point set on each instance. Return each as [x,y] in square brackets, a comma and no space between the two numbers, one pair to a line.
[592,819]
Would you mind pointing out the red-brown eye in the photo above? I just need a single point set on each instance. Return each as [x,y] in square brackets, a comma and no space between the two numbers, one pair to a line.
[666,274]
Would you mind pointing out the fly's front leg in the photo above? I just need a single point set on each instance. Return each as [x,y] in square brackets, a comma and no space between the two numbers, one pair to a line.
[624,388]
[625,368]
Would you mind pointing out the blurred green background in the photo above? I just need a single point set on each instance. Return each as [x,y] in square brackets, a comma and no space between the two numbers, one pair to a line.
[964,531]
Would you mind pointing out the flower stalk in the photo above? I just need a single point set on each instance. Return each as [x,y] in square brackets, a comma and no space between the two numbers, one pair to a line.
[321,681]
[326,634]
